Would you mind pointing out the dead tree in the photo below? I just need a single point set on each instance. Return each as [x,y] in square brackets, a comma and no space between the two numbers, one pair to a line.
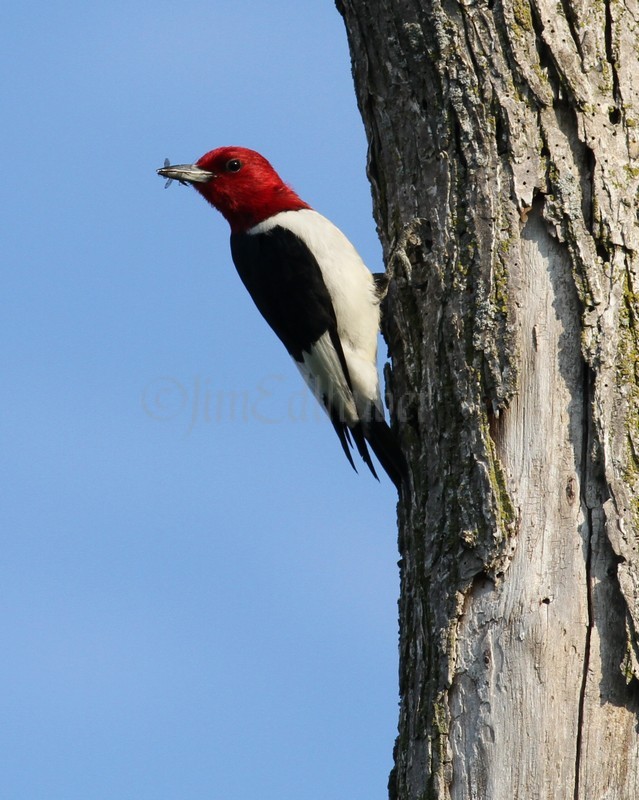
[504,164]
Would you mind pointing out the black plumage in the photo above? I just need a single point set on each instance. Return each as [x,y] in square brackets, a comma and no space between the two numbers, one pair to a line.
[285,281]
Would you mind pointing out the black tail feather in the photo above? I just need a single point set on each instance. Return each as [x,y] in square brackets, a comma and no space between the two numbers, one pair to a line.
[375,432]
[387,451]
[360,442]
[344,439]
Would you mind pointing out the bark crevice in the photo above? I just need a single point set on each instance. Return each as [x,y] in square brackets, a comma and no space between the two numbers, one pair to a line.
[587,529]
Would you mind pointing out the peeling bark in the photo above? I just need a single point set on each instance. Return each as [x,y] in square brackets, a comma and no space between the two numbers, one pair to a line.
[504,163]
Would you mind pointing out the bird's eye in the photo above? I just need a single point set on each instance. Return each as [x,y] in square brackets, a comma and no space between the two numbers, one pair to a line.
[234,165]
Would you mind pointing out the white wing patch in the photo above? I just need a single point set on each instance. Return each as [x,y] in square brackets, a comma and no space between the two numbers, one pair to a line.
[322,371]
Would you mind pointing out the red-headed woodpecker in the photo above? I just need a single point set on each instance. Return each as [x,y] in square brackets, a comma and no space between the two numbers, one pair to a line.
[311,286]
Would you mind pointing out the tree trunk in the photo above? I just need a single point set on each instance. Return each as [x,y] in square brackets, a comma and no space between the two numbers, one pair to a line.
[504,161]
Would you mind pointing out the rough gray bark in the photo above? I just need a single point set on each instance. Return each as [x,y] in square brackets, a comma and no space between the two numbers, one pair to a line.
[504,162]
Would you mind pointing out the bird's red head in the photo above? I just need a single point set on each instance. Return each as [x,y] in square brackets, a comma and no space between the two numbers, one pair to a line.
[244,187]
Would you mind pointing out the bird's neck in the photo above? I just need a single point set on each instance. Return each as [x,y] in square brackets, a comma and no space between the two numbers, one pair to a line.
[246,209]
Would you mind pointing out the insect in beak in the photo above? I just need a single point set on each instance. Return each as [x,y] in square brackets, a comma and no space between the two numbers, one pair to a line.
[169,181]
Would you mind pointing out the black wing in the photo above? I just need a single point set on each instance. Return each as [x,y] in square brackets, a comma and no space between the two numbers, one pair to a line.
[285,281]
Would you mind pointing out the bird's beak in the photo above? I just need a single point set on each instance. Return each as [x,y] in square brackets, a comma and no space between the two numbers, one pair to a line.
[185,173]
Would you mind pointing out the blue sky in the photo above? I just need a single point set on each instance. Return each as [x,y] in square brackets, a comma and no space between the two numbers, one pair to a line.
[197,594]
